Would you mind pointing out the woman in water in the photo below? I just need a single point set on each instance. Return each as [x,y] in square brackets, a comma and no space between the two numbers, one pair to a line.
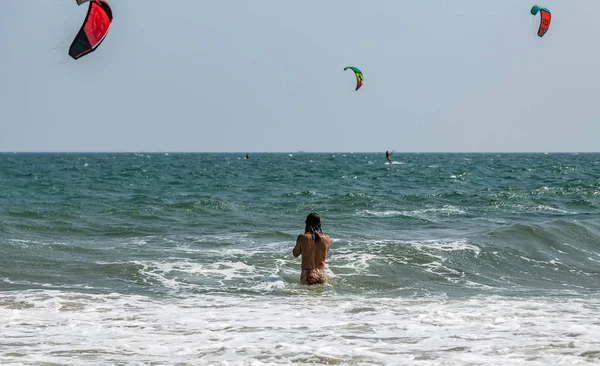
[313,246]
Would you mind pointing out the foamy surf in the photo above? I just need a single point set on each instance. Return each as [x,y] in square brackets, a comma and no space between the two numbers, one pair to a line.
[315,327]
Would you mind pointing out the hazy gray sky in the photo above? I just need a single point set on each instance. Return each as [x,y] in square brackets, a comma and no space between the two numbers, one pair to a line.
[267,75]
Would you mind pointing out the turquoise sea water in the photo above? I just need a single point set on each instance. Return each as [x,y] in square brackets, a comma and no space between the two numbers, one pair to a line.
[186,259]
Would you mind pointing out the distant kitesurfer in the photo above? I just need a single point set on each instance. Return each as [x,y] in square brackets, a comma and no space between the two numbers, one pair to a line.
[388,156]
[313,246]
[247,156]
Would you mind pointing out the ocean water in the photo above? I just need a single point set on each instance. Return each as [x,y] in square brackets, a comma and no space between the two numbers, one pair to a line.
[185,259]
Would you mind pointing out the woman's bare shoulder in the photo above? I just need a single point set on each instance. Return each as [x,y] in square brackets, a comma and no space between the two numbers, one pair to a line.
[303,237]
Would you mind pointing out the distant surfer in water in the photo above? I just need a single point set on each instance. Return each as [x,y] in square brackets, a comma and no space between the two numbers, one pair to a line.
[247,156]
[388,156]
[313,246]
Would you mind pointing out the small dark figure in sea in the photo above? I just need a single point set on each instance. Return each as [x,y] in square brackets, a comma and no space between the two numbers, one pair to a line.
[388,156]
[247,156]
[313,246]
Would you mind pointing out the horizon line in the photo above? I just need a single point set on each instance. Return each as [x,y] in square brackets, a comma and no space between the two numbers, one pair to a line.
[296,152]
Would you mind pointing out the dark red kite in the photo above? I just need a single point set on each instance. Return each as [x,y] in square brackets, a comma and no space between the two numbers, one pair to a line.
[94,28]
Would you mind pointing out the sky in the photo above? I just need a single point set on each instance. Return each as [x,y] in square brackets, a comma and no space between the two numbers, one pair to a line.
[267,76]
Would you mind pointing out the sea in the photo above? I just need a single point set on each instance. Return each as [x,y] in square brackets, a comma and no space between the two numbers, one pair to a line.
[186,259]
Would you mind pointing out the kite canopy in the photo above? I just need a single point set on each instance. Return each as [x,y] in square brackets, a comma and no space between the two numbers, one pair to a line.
[94,28]
[545,18]
[359,75]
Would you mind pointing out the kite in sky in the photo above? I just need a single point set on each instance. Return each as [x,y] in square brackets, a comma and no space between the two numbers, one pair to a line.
[359,75]
[94,28]
[545,18]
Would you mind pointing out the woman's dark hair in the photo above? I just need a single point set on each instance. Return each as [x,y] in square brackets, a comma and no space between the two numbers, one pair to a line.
[313,225]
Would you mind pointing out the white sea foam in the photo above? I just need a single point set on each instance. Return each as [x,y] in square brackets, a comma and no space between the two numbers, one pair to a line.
[447,246]
[314,326]
[427,213]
